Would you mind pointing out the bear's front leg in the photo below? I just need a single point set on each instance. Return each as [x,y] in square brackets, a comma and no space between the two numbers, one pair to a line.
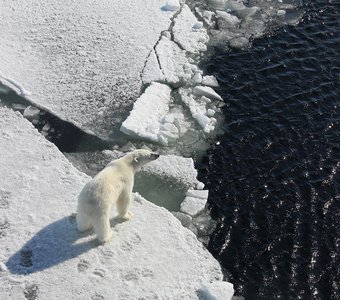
[102,227]
[123,204]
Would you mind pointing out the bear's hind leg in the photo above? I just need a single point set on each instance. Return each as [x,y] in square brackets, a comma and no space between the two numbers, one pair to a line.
[123,204]
[83,222]
[102,227]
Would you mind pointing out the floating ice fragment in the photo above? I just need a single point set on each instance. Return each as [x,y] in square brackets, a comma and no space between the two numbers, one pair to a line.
[216,291]
[197,79]
[190,40]
[198,25]
[171,5]
[200,186]
[148,110]
[281,12]
[227,20]
[194,202]
[173,62]
[31,112]
[210,80]
[206,91]
[202,194]
[239,42]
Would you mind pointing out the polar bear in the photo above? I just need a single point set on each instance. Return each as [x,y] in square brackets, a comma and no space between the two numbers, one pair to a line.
[113,184]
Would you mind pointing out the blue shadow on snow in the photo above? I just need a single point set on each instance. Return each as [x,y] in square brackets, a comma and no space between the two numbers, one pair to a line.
[54,244]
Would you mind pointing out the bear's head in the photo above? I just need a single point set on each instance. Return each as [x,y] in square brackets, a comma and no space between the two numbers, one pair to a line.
[140,157]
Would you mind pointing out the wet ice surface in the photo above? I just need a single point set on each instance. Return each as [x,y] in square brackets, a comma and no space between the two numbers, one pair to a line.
[273,177]
[234,24]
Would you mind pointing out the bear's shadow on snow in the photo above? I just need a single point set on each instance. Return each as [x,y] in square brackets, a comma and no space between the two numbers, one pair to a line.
[54,244]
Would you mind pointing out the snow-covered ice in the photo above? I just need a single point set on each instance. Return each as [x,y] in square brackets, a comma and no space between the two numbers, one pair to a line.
[152,71]
[145,118]
[173,62]
[210,80]
[236,23]
[171,5]
[199,101]
[152,118]
[151,256]
[81,61]
[188,32]
[194,202]
[215,291]
[207,92]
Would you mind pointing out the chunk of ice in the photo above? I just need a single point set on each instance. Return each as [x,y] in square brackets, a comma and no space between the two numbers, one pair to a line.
[144,120]
[171,5]
[227,20]
[210,80]
[152,71]
[193,206]
[206,91]
[31,112]
[186,35]
[173,62]
[216,291]
[202,194]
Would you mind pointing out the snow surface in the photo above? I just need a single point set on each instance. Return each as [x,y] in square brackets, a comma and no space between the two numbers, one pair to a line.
[188,32]
[43,256]
[194,202]
[171,5]
[198,100]
[145,118]
[173,62]
[152,119]
[81,61]
[152,71]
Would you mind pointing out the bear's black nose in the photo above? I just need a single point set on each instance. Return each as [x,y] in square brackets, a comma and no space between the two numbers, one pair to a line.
[154,155]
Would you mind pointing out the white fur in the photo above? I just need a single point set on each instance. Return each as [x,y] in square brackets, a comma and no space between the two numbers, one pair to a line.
[113,184]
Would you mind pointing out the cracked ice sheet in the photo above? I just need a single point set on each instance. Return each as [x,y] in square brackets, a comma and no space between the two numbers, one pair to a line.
[173,62]
[151,118]
[153,251]
[189,33]
[200,101]
[80,61]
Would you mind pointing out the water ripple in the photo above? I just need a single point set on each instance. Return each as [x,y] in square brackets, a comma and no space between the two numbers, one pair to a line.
[274,176]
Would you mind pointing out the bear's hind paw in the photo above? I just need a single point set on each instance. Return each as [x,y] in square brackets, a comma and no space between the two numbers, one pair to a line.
[127,216]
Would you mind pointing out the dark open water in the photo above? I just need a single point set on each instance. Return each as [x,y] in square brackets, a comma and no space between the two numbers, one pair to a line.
[274,175]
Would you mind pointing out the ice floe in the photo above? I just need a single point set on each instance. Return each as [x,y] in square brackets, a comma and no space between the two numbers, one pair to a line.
[234,23]
[82,63]
[173,62]
[194,202]
[145,118]
[189,33]
[199,101]
[153,252]
[152,71]
[152,118]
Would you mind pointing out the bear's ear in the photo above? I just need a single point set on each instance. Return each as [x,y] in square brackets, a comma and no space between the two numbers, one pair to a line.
[136,159]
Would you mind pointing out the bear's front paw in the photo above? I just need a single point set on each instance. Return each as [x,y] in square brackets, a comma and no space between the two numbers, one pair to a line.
[127,216]
[105,238]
